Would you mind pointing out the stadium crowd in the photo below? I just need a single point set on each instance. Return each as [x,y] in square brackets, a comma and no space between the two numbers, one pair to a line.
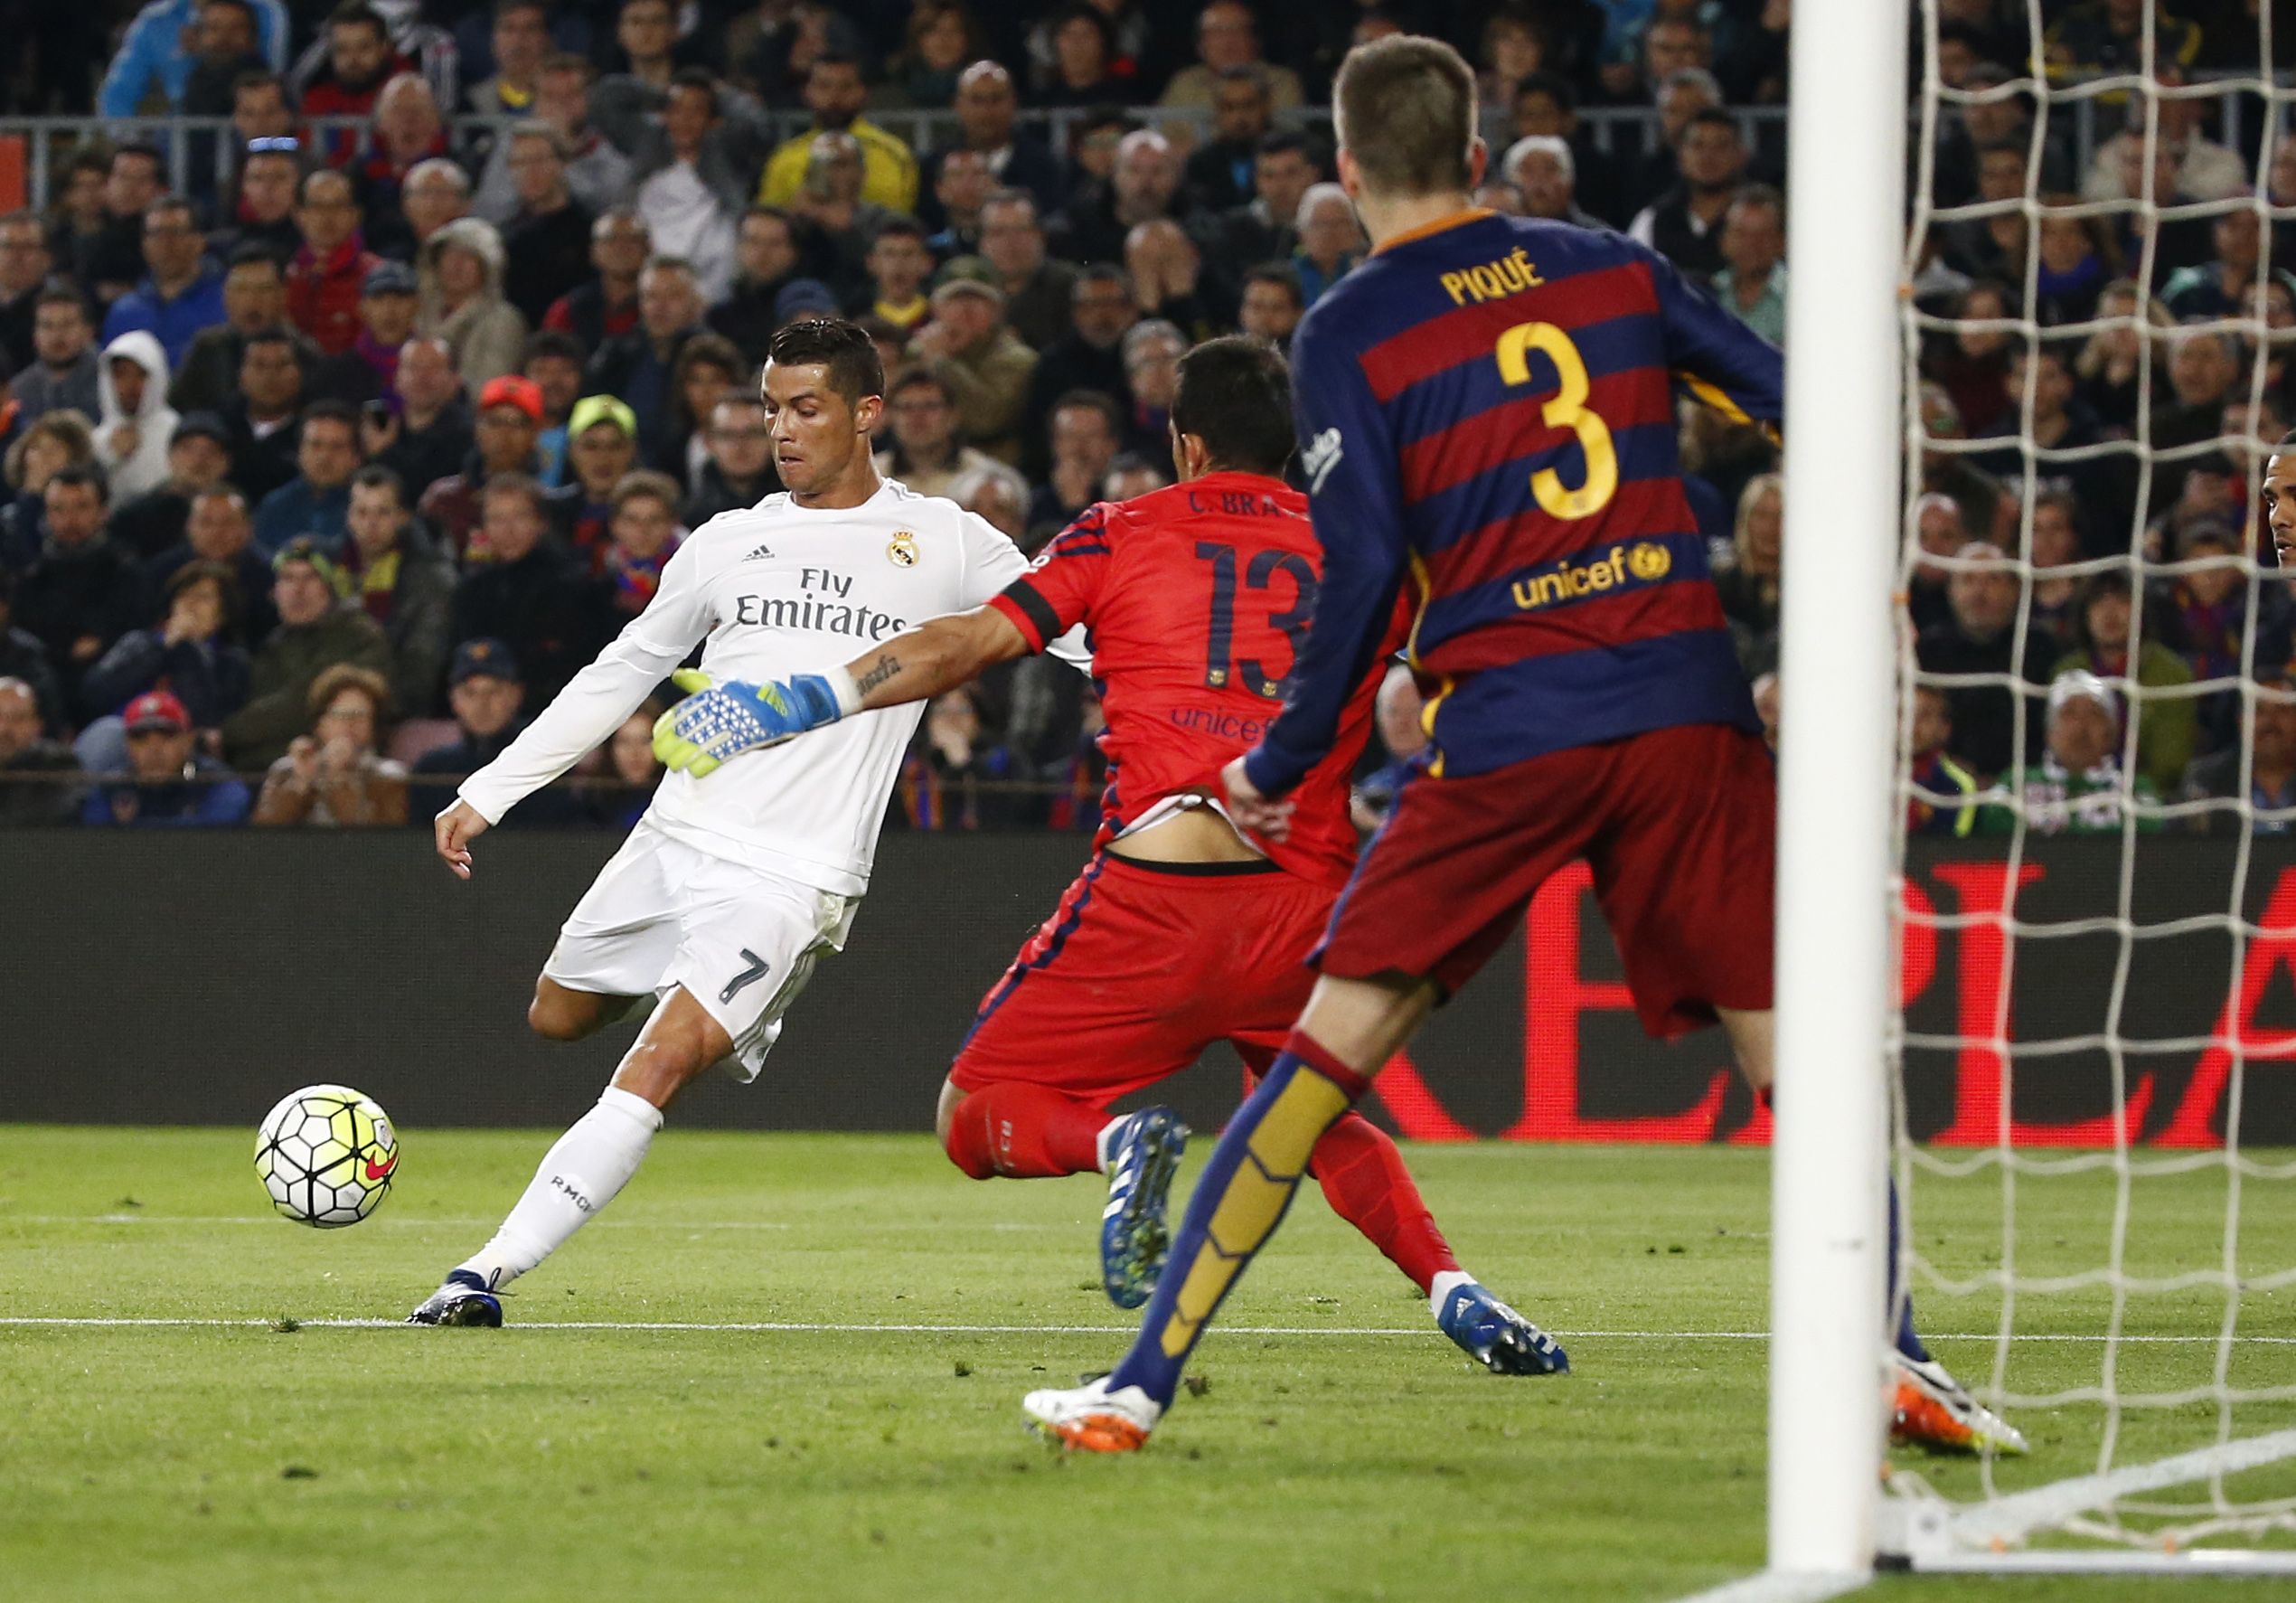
[326,469]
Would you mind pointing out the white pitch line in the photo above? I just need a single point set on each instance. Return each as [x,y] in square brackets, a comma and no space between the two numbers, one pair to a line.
[859,1329]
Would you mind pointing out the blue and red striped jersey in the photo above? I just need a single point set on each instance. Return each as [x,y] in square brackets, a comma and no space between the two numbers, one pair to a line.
[1487,412]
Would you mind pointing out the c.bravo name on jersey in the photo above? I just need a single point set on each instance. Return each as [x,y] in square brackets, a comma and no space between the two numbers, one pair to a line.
[817,611]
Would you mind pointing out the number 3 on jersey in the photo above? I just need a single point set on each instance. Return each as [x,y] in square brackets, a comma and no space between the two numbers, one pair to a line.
[1566,409]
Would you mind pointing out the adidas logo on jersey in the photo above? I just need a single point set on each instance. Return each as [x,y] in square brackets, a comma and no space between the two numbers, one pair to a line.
[759,555]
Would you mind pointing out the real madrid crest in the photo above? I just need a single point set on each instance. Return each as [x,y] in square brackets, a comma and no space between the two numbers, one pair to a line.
[903,550]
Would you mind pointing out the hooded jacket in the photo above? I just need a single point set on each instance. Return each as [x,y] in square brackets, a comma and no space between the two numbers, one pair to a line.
[143,466]
[488,335]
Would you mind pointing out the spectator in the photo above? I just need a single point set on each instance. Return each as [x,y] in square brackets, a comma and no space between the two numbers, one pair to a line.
[1152,352]
[1168,280]
[317,500]
[1684,225]
[631,771]
[81,594]
[962,185]
[402,580]
[647,32]
[2110,361]
[531,595]
[982,366]
[999,497]
[608,307]
[1683,96]
[2077,787]
[548,239]
[157,56]
[329,272]
[942,37]
[226,53]
[181,295]
[461,271]
[33,791]
[1749,585]
[1999,119]
[693,179]
[2203,367]
[197,458]
[57,440]
[707,371]
[2269,748]
[830,204]
[766,261]
[509,420]
[2178,241]
[1085,429]
[521,39]
[1219,173]
[134,424]
[1542,167]
[432,434]
[25,263]
[1088,357]
[2106,38]
[358,60]
[956,777]
[171,784]
[739,472]
[1274,304]
[2075,263]
[1980,637]
[2207,607]
[1143,187]
[1084,67]
[76,236]
[2204,170]
[1545,106]
[1331,240]
[413,45]
[262,424]
[408,133]
[1037,290]
[2220,288]
[640,366]
[218,530]
[1973,362]
[1753,286]
[925,453]
[317,631]
[1262,229]
[435,196]
[555,363]
[389,304]
[1227,39]
[189,653]
[644,535]
[835,94]
[262,212]
[1133,474]
[601,447]
[65,376]
[334,777]
[2055,592]
[1943,793]
[254,300]
[898,264]
[486,695]
[23,656]
[987,109]
[2168,724]
[2104,486]
[598,174]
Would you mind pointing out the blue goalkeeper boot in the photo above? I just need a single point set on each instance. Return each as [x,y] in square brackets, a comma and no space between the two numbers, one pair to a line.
[1497,1337]
[464,1299]
[1142,1155]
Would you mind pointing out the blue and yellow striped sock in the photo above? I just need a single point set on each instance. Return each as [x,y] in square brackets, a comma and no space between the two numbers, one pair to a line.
[1246,1186]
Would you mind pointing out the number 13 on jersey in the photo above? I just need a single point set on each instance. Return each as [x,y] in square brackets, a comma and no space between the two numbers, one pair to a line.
[1566,409]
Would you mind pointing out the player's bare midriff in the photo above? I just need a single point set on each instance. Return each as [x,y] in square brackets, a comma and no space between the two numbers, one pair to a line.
[1198,834]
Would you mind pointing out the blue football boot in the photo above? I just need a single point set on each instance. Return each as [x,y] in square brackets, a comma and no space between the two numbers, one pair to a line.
[1497,1337]
[1134,1237]
[464,1299]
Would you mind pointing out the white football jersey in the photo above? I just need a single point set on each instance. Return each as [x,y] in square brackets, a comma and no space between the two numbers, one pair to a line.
[773,591]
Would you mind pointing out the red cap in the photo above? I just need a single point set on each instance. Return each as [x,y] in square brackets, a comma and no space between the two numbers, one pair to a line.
[157,709]
[512,390]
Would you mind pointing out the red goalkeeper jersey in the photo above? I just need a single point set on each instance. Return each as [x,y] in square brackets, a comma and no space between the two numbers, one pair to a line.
[1197,598]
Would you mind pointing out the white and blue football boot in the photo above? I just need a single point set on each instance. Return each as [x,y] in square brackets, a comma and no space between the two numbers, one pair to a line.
[1497,1337]
[1142,1154]
[464,1299]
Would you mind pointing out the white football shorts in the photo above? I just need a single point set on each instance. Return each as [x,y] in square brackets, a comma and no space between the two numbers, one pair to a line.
[743,941]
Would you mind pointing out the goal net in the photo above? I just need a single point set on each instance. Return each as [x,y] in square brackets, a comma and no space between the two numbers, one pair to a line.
[2094,1049]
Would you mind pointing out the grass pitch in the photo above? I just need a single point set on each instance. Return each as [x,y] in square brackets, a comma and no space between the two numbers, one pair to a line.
[790,1366]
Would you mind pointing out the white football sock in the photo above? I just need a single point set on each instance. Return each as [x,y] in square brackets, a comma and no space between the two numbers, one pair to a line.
[1100,1142]
[579,1176]
[1440,1288]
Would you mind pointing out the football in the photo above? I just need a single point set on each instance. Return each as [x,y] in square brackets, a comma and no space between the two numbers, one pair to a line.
[326,1155]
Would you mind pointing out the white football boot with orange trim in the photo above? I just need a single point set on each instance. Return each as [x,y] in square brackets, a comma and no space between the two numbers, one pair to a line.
[1932,1409]
[1091,1418]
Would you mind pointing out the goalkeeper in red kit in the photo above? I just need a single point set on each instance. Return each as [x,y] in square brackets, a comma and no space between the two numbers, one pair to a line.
[1180,932]
[1487,407]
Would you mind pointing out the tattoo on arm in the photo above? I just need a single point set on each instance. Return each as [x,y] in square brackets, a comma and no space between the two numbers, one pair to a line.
[887,667]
